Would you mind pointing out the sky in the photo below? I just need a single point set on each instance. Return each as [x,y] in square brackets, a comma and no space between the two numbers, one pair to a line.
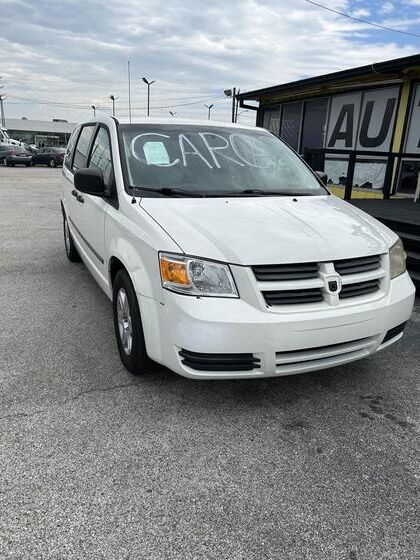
[61,57]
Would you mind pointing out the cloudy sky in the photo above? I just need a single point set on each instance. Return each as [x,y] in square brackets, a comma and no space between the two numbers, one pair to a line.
[61,57]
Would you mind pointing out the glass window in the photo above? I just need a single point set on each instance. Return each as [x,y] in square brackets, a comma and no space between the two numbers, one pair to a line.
[290,124]
[314,123]
[70,147]
[82,148]
[272,120]
[213,161]
[101,156]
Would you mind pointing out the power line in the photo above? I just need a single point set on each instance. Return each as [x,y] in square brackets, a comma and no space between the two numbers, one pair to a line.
[361,20]
[24,100]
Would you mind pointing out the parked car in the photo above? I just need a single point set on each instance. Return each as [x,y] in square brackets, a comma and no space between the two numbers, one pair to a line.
[53,157]
[224,255]
[14,155]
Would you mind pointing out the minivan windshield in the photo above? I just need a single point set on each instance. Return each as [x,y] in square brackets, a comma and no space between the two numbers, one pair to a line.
[212,161]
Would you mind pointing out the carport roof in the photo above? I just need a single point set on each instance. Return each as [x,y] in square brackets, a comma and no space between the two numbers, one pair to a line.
[375,72]
[24,125]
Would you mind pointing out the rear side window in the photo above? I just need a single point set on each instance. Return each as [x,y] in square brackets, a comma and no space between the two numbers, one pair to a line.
[100,157]
[82,147]
[70,147]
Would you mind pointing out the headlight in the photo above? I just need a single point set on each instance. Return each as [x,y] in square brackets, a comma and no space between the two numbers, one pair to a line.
[397,259]
[196,277]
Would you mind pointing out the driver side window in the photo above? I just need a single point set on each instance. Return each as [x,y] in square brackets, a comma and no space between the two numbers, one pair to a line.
[100,157]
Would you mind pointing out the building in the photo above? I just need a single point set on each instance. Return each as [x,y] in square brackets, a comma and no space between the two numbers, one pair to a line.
[41,133]
[361,126]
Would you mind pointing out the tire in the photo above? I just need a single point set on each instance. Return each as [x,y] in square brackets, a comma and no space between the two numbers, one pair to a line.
[5,162]
[128,325]
[52,163]
[69,245]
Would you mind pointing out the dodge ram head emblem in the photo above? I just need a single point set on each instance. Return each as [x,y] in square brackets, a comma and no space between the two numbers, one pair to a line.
[333,284]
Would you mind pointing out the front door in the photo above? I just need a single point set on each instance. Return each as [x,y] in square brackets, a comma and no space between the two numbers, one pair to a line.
[85,212]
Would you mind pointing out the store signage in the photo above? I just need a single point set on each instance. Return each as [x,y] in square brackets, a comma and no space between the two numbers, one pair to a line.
[362,121]
[413,133]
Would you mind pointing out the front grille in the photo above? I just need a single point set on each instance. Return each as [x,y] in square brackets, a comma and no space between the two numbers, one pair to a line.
[219,362]
[354,266]
[289,297]
[280,272]
[359,289]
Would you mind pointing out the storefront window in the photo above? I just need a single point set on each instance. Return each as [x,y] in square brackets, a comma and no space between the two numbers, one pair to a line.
[290,124]
[314,123]
[272,120]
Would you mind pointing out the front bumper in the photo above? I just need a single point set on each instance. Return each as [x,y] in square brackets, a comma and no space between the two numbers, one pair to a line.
[282,343]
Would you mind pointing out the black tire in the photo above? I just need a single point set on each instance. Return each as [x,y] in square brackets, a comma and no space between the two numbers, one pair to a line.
[69,245]
[52,163]
[135,358]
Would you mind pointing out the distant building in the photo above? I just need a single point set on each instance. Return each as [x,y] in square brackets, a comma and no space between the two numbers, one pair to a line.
[361,126]
[41,133]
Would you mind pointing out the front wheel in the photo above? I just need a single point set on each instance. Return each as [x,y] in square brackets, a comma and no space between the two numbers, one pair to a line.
[5,162]
[128,326]
[52,163]
[71,250]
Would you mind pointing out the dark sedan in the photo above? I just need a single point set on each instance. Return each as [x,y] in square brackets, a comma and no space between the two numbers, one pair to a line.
[53,157]
[14,155]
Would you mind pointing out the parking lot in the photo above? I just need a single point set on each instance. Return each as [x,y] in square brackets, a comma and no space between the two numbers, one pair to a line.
[98,464]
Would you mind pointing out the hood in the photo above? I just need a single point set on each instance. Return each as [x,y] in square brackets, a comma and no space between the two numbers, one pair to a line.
[269,230]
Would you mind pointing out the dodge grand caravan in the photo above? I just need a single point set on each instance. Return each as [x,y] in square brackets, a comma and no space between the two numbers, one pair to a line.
[224,255]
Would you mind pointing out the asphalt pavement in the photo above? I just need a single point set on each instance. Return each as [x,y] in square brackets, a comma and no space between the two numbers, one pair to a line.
[97,464]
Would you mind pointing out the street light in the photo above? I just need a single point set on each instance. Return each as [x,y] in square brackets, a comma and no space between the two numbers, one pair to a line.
[94,110]
[113,99]
[209,107]
[172,113]
[146,81]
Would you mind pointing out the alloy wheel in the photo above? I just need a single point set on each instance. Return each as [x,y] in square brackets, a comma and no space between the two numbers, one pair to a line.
[124,321]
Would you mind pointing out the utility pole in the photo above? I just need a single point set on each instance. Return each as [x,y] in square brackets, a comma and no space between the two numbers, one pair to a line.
[113,99]
[209,107]
[129,90]
[232,93]
[3,120]
[237,106]
[94,110]
[148,93]
[2,97]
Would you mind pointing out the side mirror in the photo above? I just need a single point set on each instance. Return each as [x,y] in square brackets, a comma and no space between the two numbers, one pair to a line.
[89,181]
[323,176]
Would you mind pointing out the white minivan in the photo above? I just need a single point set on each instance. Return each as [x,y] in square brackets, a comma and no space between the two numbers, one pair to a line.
[224,255]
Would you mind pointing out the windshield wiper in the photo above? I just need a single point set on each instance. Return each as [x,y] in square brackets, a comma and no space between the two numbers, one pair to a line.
[168,191]
[274,193]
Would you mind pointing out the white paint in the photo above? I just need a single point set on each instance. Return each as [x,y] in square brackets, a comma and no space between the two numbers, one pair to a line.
[214,149]
[182,138]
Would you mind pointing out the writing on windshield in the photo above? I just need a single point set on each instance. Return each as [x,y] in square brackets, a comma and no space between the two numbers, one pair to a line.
[212,159]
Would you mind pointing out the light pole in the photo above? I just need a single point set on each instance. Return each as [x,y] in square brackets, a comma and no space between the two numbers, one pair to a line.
[209,107]
[113,99]
[172,113]
[2,96]
[146,81]
[94,110]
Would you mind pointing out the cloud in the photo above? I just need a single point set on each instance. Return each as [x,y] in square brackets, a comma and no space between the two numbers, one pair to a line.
[387,8]
[75,52]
